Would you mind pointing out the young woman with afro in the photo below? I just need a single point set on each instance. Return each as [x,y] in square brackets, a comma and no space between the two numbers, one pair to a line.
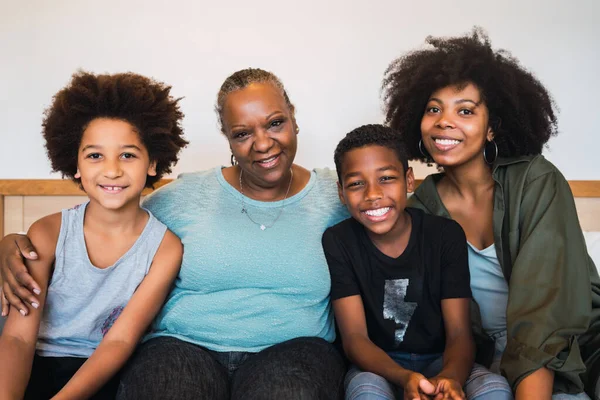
[484,119]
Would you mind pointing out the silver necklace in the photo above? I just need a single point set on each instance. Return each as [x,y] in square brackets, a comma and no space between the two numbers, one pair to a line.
[245,210]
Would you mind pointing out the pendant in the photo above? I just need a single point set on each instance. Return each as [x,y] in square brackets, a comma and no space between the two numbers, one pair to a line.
[262,227]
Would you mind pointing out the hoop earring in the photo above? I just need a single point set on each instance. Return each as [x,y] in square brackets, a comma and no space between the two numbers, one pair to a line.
[485,156]
[233,161]
[423,151]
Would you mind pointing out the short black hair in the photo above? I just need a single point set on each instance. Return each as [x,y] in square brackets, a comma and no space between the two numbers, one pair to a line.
[522,113]
[143,102]
[370,135]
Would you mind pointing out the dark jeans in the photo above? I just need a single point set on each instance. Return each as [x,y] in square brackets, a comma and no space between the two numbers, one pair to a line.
[167,368]
[50,374]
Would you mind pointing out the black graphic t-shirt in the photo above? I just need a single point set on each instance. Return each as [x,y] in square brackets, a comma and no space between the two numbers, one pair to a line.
[401,296]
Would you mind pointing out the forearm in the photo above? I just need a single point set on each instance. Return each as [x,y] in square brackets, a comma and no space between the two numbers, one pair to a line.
[103,364]
[459,356]
[16,359]
[538,385]
[369,357]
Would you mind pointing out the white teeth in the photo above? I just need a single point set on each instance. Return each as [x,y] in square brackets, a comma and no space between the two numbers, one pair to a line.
[378,212]
[112,188]
[268,160]
[447,142]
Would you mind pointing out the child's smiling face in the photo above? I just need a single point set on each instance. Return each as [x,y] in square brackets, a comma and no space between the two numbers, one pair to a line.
[374,186]
[113,163]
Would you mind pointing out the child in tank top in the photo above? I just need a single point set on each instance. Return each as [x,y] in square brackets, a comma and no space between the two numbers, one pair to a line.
[105,266]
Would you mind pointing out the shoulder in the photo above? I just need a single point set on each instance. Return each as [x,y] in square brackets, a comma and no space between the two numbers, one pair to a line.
[341,232]
[323,199]
[170,249]
[529,182]
[526,169]
[44,233]
[343,227]
[185,186]
[326,181]
[426,196]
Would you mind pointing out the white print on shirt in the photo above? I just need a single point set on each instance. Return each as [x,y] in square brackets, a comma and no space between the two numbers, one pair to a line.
[395,308]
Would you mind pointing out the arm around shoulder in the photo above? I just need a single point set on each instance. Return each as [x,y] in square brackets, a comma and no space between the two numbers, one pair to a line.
[19,337]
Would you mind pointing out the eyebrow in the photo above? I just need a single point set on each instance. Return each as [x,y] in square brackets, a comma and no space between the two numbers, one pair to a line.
[95,146]
[387,168]
[268,118]
[459,101]
[382,169]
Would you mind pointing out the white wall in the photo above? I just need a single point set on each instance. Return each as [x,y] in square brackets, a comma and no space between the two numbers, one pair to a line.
[330,54]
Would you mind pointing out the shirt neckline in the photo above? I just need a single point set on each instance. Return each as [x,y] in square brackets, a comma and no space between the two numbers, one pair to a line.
[265,204]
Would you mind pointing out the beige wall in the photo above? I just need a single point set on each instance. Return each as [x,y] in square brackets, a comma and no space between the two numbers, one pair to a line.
[331,56]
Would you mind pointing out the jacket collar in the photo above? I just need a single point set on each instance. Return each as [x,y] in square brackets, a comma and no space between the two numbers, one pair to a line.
[505,161]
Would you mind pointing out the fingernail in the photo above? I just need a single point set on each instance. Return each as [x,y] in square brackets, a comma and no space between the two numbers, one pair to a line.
[22,312]
[4,313]
[35,305]
[33,254]
[37,291]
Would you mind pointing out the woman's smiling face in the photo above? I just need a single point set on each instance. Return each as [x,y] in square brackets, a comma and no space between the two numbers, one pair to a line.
[455,125]
[261,131]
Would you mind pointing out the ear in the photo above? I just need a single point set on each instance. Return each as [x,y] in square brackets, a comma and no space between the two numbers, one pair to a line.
[152,168]
[410,180]
[490,134]
[77,174]
[341,193]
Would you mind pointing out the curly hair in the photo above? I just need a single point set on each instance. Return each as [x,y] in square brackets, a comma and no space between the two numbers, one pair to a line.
[522,113]
[143,102]
[370,135]
[244,78]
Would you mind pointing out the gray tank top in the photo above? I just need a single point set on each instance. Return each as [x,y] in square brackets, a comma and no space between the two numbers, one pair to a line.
[84,301]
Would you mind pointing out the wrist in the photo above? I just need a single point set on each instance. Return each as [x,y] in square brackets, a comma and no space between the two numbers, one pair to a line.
[402,376]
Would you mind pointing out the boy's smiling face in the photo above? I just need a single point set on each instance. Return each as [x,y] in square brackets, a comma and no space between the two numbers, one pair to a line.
[374,187]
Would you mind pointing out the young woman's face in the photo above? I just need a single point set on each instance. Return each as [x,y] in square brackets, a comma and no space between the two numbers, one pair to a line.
[113,163]
[261,131]
[455,126]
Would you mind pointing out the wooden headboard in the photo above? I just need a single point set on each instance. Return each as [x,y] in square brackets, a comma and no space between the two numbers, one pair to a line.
[23,201]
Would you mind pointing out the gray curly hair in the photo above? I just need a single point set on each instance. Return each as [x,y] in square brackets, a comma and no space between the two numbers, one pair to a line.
[244,78]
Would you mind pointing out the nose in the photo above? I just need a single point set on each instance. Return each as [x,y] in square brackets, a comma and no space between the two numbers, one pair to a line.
[262,141]
[112,169]
[373,192]
[444,121]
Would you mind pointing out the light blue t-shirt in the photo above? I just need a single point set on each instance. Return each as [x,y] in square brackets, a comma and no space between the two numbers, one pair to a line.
[241,288]
[489,288]
[83,301]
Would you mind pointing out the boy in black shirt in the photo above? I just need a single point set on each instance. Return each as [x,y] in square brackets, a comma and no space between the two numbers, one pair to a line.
[399,278]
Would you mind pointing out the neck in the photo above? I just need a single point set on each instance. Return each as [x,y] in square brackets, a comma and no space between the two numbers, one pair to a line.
[126,219]
[470,179]
[262,192]
[395,241]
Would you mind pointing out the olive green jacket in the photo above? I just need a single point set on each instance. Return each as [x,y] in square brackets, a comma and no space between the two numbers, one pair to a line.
[553,312]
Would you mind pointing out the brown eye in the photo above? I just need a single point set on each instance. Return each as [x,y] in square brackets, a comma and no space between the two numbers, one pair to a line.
[276,123]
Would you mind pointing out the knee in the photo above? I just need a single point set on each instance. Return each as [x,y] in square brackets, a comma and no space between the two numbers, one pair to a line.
[367,385]
[168,368]
[483,384]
